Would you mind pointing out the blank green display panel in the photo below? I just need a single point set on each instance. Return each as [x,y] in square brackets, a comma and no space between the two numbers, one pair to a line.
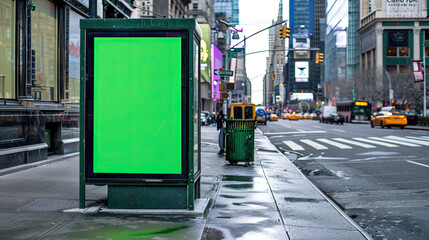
[137,105]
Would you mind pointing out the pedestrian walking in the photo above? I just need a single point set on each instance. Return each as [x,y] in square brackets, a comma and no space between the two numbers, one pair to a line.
[220,126]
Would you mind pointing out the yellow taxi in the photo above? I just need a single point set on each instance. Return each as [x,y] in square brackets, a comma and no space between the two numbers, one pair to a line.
[273,117]
[285,116]
[388,119]
[293,116]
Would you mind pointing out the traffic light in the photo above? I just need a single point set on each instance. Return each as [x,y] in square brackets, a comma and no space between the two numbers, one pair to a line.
[319,57]
[284,32]
[227,86]
[223,95]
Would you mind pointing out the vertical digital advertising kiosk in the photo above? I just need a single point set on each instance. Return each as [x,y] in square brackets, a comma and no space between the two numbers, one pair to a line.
[140,112]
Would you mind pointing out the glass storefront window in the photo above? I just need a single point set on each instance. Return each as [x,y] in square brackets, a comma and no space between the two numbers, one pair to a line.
[7,49]
[74,57]
[44,42]
[391,52]
[404,51]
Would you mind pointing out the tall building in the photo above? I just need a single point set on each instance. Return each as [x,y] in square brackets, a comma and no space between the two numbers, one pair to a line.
[273,80]
[342,46]
[302,74]
[229,8]
[392,35]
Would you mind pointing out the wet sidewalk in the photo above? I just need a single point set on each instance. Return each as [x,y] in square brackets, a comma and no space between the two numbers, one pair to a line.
[268,200]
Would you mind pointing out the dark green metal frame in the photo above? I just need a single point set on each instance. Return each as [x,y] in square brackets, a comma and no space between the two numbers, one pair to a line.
[194,35]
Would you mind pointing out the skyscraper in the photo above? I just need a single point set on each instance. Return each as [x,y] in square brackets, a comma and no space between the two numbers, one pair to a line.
[307,22]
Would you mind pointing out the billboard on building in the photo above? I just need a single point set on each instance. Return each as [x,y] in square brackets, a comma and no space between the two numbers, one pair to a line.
[402,8]
[302,97]
[301,72]
[205,53]
[216,63]
[301,42]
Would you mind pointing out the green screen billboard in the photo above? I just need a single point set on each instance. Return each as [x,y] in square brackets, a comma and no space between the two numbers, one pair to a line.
[137,105]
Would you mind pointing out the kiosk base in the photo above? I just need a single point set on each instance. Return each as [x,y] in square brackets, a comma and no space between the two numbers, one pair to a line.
[147,197]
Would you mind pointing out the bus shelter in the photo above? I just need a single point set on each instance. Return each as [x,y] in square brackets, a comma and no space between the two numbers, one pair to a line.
[139,112]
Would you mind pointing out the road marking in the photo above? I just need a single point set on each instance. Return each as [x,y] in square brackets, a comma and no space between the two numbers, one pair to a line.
[421,164]
[293,146]
[364,145]
[335,144]
[409,140]
[338,130]
[418,138]
[285,133]
[313,144]
[395,141]
[376,142]
[276,136]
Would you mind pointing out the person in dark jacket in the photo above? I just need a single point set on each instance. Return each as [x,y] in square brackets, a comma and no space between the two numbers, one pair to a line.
[219,121]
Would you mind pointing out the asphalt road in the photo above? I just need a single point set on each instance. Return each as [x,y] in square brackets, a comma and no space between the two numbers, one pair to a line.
[380,177]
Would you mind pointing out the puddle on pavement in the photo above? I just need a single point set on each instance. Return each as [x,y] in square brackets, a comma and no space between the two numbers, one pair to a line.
[317,172]
[238,186]
[233,178]
[308,200]
[232,197]
[122,233]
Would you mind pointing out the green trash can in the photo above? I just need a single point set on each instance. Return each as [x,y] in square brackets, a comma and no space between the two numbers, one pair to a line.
[240,140]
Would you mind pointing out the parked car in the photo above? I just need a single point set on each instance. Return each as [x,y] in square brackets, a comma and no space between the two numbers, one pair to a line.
[388,119]
[412,117]
[261,116]
[335,118]
[204,116]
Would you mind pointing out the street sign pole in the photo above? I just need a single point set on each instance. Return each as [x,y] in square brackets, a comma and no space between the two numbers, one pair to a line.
[225,107]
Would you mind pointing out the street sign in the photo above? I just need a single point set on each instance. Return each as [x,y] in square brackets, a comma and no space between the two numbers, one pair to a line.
[223,72]
[232,54]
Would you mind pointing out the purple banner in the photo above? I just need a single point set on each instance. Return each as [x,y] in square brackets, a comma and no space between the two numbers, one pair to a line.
[216,63]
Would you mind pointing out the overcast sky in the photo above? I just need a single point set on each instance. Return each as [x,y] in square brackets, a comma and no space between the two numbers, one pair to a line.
[256,15]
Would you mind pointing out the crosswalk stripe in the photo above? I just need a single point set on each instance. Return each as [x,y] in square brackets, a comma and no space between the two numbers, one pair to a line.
[313,144]
[293,146]
[335,144]
[395,141]
[419,138]
[376,142]
[360,144]
[409,140]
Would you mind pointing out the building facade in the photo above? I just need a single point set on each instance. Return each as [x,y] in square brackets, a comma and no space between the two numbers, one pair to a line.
[391,35]
[230,8]
[342,49]
[161,8]
[273,80]
[40,70]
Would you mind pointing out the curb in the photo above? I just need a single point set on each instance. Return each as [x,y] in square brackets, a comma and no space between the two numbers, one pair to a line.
[51,159]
